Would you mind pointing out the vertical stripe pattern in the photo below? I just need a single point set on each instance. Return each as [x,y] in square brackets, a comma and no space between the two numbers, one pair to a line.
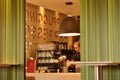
[100,36]
[12,39]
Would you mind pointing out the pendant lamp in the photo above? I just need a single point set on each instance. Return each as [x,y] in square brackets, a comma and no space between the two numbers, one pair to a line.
[69,26]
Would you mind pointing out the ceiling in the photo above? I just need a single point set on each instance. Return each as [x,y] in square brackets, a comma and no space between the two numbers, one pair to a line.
[59,5]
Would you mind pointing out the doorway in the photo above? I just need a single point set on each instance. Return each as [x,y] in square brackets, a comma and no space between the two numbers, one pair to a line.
[42,25]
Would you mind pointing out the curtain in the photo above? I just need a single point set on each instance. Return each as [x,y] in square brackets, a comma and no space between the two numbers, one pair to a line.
[100,36]
[12,39]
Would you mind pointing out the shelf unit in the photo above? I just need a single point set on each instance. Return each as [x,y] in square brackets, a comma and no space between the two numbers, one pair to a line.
[47,60]
[47,56]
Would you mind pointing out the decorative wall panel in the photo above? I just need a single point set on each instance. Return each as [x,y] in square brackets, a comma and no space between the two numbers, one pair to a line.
[42,26]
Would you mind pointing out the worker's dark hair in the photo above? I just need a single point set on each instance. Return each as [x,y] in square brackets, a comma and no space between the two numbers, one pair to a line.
[77,43]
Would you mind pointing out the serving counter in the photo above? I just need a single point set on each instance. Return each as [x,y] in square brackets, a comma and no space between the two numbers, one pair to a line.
[55,76]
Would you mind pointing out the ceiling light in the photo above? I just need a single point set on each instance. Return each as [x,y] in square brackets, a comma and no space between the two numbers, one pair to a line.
[69,26]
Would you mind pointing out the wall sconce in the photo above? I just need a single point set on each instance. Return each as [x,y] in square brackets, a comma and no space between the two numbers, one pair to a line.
[69,26]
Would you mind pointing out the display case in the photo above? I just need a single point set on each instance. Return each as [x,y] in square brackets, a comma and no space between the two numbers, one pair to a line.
[47,60]
[47,56]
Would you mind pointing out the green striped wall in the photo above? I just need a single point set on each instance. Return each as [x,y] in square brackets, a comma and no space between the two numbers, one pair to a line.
[12,38]
[100,36]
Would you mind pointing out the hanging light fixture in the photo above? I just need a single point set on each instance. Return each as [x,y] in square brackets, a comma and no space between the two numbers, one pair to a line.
[69,26]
